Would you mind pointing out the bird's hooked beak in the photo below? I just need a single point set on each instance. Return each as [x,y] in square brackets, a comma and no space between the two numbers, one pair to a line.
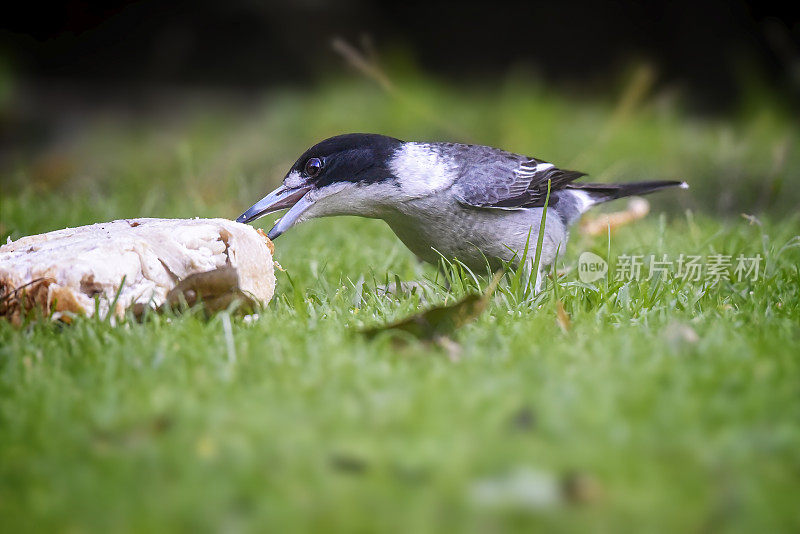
[294,198]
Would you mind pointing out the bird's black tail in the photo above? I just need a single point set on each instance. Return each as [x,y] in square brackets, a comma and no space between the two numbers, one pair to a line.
[605,192]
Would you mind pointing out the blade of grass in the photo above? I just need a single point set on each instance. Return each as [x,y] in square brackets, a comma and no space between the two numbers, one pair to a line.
[540,240]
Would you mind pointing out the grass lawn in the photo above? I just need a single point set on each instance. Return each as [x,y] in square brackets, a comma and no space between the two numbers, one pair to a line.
[664,405]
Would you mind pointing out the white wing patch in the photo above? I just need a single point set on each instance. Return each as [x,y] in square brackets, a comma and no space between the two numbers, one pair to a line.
[529,168]
[526,172]
[422,170]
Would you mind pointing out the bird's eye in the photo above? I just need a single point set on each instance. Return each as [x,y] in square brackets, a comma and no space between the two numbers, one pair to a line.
[313,167]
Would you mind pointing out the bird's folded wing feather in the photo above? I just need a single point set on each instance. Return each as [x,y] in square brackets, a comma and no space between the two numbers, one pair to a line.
[511,182]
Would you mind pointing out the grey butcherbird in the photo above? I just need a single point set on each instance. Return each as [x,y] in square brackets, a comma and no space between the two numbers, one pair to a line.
[471,202]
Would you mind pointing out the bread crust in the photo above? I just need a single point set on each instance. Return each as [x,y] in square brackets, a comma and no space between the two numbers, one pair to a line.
[126,262]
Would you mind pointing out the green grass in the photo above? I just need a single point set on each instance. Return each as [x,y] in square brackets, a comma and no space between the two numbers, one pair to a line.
[677,400]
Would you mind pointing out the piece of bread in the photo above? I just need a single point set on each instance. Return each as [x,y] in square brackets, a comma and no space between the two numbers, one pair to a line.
[638,208]
[81,269]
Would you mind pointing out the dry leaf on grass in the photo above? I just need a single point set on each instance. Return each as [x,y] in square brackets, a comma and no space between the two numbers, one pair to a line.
[440,321]
[562,317]
[216,290]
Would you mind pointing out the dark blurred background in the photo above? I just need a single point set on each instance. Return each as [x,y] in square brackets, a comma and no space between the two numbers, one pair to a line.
[245,44]
[62,62]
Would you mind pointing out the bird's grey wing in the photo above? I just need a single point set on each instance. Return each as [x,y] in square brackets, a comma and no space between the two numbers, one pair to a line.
[509,181]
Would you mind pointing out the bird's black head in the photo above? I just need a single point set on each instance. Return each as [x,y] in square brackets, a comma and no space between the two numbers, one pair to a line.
[356,157]
[325,169]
